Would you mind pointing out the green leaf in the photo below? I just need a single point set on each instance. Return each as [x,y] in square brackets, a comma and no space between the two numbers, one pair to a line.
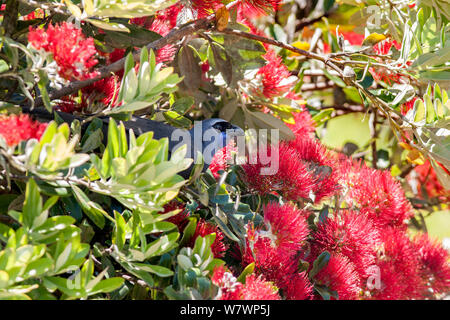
[3,66]
[107,285]
[182,105]
[4,278]
[405,93]
[93,210]
[155,269]
[158,227]
[93,141]
[130,86]
[108,26]
[222,62]
[198,168]
[51,227]
[38,268]
[133,106]
[432,59]
[129,9]
[120,232]
[267,121]
[5,200]
[184,262]
[247,271]
[352,94]
[323,116]
[323,215]
[431,114]
[325,292]
[32,206]
[188,231]
[42,85]
[338,81]
[435,75]
[136,37]
[230,235]
[318,264]
[63,258]
[419,110]
[177,119]
[189,67]
[64,285]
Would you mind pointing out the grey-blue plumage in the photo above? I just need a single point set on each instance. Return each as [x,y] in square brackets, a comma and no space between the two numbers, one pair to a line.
[207,136]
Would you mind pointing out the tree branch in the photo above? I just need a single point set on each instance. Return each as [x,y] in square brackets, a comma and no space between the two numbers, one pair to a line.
[317,86]
[309,21]
[374,135]
[10,17]
[332,63]
[52,7]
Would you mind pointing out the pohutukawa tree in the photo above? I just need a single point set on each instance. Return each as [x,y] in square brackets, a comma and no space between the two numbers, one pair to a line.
[95,202]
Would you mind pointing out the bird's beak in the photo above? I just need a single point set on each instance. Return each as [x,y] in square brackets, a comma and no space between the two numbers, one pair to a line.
[236,131]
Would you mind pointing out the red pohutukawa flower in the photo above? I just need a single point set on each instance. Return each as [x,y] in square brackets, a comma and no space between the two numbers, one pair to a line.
[277,264]
[305,170]
[287,225]
[270,260]
[424,177]
[229,287]
[166,53]
[383,47]
[274,249]
[255,287]
[434,262]
[377,195]
[350,234]
[275,76]
[355,39]
[304,126]
[321,167]
[73,53]
[296,286]
[221,159]
[385,75]
[340,275]
[69,105]
[381,73]
[404,108]
[281,171]
[104,91]
[251,8]
[205,7]
[204,228]
[16,128]
[170,15]
[161,26]
[257,8]
[398,264]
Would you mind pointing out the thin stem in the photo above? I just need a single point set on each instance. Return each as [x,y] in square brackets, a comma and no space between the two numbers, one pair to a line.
[374,135]
[10,17]
[330,62]
[309,21]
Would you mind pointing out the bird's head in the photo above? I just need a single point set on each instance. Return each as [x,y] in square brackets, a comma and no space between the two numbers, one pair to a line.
[211,135]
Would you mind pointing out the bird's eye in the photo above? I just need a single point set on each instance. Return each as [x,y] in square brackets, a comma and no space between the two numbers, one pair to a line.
[222,126]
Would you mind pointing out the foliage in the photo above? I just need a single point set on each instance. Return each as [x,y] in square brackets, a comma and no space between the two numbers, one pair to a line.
[94,208]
